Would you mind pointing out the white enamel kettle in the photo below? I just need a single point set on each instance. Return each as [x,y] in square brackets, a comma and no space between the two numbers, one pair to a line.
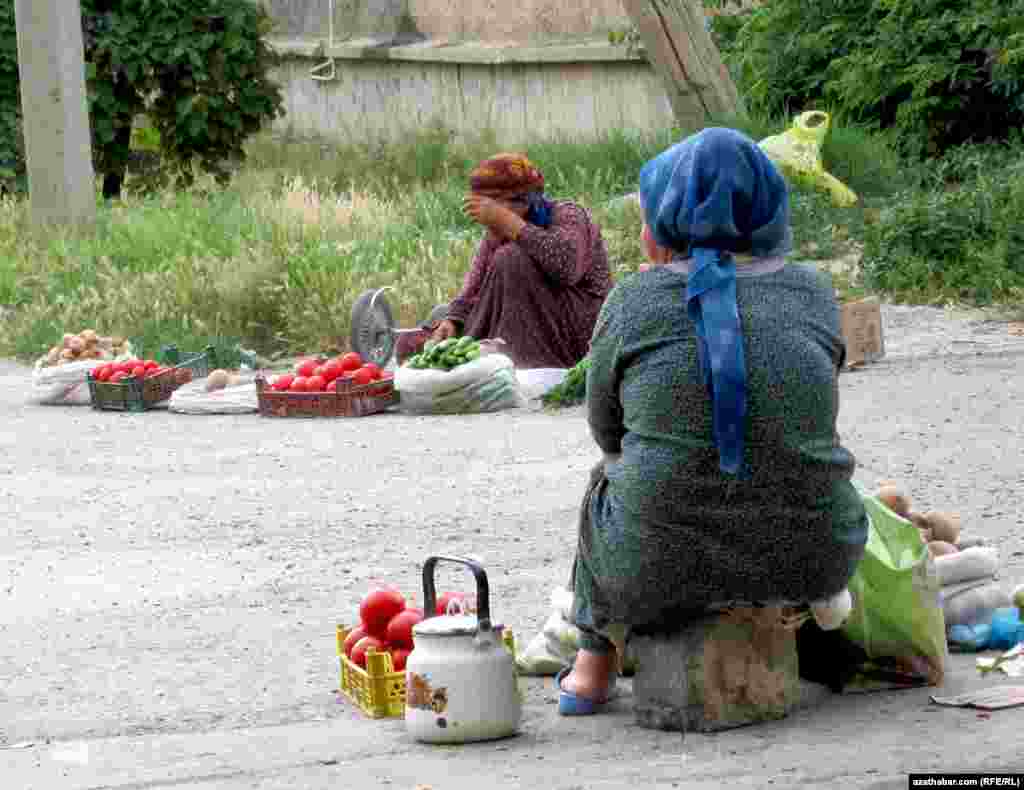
[460,678]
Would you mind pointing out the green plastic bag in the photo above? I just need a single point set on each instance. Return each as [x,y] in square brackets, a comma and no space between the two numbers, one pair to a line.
[897,599]
[797,151]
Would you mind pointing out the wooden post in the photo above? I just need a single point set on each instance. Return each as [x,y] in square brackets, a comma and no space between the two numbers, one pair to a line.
[58,151]
[680,48]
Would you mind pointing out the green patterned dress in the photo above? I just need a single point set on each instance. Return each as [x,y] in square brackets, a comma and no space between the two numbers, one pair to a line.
[663,533]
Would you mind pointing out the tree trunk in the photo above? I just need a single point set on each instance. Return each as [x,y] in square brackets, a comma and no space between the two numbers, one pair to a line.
[681,50]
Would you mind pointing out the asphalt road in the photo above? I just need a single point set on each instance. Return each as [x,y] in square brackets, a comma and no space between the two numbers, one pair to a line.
[169,588]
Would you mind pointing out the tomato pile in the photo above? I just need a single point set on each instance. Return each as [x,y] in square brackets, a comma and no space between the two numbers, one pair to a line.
[319,375]
[116,372]
[385,624]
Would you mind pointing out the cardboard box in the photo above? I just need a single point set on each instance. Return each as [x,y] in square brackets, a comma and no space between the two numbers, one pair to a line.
[862,331]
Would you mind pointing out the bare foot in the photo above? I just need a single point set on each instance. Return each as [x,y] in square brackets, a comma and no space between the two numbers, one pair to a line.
[591,675]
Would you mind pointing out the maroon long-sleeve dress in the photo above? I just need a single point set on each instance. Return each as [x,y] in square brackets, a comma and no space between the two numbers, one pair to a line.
[540,293]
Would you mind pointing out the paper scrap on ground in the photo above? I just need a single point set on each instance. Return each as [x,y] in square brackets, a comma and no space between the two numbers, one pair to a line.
[987,699]
[1011,662]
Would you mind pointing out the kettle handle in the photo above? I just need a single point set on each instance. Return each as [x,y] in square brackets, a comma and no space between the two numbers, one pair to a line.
[482,590]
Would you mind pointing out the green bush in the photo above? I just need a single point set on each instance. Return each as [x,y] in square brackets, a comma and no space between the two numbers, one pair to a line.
[956,237]
[12,158]
[198,69]
[938,72]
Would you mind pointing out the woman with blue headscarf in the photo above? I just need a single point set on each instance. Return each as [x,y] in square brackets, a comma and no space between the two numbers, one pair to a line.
[713,394]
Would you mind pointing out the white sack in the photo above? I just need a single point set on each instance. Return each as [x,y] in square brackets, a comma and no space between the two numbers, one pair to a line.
[975,605]
[977,562]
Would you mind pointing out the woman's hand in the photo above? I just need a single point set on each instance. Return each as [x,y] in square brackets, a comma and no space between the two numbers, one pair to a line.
[493,215]
[445,330]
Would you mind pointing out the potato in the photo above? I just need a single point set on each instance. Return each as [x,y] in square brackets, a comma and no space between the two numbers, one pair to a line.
[76,344]
[944,526]
[895,499]
[217,380]
[939,548]
[89,337]
[67,355]
[234,380]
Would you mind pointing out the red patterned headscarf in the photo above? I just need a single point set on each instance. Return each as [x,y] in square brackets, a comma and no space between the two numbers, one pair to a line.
[506,176]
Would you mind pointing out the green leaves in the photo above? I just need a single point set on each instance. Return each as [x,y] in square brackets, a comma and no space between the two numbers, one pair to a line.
[939,72]
[171,60]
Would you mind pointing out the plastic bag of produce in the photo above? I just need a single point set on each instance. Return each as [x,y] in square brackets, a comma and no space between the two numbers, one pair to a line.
[975,604]
[64,385]
[537,382]
[486,384]
[238,397]
[977,562]
[797,152]
[60,377]
[897,602]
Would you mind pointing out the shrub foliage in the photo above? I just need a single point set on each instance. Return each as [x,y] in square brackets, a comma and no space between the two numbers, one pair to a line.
[938,72]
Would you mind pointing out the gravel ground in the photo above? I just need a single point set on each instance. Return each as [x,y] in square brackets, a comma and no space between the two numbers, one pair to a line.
[165,576]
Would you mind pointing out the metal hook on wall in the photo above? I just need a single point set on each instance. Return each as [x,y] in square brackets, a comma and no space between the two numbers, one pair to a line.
[326,71]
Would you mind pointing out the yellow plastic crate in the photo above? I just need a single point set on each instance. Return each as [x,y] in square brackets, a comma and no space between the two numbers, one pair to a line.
[379,691]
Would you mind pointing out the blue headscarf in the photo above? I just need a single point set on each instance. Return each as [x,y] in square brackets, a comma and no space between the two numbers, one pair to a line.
[713,194]
[541,212]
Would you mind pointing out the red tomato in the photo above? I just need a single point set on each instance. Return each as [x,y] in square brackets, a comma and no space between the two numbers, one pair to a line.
[306,368]
[445,598]
[102,373]
[151,364]
[356,634]
[315,384]
[374,369]
[378,607]
[362,376]
[139,371]
[118,377]
[351,361]
[298,384]
[359,650]
[399,631]
[284,382]
[331,371]
[399,655]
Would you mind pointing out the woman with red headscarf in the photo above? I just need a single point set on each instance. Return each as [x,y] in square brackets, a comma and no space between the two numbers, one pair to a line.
[539,277]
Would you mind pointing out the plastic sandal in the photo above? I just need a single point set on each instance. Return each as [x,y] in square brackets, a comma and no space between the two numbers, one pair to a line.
[571,705]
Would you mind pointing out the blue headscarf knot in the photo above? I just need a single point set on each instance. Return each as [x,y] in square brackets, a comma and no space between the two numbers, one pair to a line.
[711,195]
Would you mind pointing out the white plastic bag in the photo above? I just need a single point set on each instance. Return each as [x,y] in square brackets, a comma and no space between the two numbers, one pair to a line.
[974,605]
[537,382]
[193,398]
[977,562]
[67,384]
[484,385]
[555,647]
[63,385]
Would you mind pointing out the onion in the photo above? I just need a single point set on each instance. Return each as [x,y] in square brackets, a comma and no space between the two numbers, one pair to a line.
[944,526]
[893,498]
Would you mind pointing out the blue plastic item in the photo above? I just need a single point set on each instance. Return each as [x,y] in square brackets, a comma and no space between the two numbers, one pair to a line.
[1007,629]
[970,638]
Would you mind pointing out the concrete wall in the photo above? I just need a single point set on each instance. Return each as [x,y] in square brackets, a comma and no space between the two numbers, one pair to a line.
[480,20]
[520,94]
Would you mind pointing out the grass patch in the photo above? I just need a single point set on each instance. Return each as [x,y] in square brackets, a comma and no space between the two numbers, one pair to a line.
[276,259]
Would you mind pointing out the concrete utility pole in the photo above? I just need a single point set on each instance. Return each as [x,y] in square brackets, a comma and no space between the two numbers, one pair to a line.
[58,152]
[680,48]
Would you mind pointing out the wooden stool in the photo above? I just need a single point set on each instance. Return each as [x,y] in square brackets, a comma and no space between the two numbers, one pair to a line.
[723,671]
